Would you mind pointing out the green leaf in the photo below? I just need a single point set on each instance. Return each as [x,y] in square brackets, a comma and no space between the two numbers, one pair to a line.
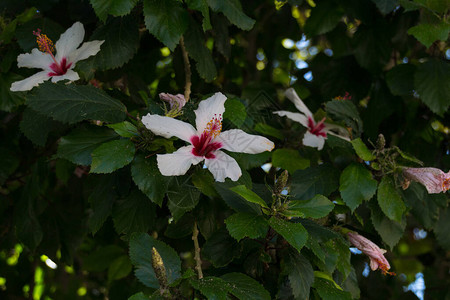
[121,36]
[125,129]
[194,41]
[407,156]
[135,213]
[442,227]
[166,20]
[424,206]
[390,231]
[324,17]
[239,204]
[116,8]
[242,225]
[202,6]
[141,245]
[101,199]
[322,179]
[222,35]
[317,207]
[119,268]
[232,9]
[411,5]
[204,181]
[373,45]
[289,159]
[75,103]
[235,111]
[428,33]
[27,226]
[385,6]
[346,111]
[300,273]
[36,126]
[244,287]
[269,130]
[432,82]
[220,248]
[361,149]
[390,201]
[149,180]
[100,259]
[400,79]
[327,290]
[182,198]
[78,145]
[356,185]
[213,288]
[249,195]
[139,296]
[9,100]
[111,156]
[9,161]
[294,233]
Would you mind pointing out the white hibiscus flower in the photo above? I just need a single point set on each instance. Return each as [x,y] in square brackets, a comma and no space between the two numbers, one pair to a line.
[317,131]
[57,67]
[205,141]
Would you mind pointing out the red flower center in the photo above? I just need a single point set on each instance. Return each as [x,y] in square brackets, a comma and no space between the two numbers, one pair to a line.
[204,144]
[45,45]
[317,128]
[59,69]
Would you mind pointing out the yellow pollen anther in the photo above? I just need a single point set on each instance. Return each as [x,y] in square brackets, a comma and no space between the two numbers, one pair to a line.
[214,126]
[44,43]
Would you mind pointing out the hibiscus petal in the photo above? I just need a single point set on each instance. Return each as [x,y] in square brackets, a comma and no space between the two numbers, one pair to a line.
[223,166]
[177,163]
[313,140]
[373,264]
[212,107]
[168,127]
[292,95]
[237,140]
[338,131]
[70,74]
[30,82]
[69,40]
[86,50]
[297,117]
[35,59]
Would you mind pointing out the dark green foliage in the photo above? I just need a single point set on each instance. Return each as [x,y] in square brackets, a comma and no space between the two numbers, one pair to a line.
[81,177]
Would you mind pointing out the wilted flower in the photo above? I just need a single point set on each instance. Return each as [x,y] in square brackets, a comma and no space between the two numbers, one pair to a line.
[434,180]
[176,103]
[205,141]
[377,259]
[57,67]
[317,131]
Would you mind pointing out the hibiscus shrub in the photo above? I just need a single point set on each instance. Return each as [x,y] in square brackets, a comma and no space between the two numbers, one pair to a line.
[222,149]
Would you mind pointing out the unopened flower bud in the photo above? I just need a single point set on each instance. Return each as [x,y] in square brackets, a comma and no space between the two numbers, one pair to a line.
[381,142]
[159,268]
[176,102]
[281,182]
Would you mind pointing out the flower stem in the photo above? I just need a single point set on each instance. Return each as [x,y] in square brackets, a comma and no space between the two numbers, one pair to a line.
[187,71]
[198,260]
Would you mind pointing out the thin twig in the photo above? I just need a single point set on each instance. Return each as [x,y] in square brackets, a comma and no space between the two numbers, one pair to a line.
[187,71]
[198,260]
[131,116]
